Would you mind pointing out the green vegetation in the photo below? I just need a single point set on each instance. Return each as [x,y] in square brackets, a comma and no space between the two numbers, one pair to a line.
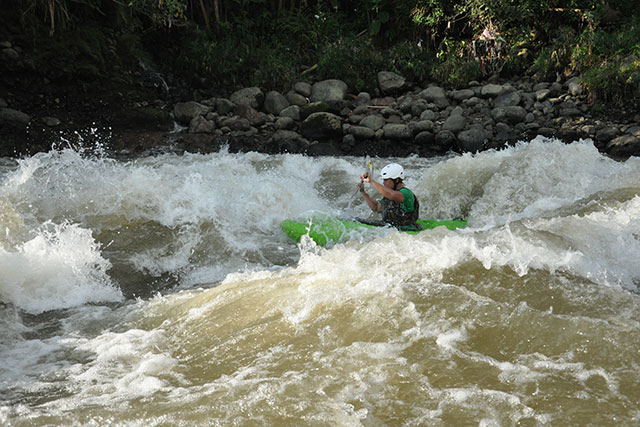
[225,44]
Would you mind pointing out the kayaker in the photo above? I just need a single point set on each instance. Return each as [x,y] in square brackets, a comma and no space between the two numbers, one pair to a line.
[399,206]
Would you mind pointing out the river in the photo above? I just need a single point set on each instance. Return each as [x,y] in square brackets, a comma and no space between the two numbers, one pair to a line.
[159,290]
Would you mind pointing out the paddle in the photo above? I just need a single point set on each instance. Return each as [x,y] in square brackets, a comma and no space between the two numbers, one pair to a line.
[367,174]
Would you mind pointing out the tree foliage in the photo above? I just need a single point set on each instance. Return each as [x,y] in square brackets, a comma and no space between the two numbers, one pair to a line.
[271,41]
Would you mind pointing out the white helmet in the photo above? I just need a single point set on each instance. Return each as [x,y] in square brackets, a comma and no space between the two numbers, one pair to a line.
[392,171]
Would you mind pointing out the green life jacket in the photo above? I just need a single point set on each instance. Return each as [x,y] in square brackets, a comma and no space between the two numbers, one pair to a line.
[394,213]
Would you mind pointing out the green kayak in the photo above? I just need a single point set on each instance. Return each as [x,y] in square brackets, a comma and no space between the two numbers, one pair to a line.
[326,230]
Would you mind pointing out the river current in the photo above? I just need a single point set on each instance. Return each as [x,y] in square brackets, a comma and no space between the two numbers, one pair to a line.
[159,290]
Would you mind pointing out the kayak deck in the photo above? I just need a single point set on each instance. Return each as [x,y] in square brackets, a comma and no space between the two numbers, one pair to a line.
[326,230]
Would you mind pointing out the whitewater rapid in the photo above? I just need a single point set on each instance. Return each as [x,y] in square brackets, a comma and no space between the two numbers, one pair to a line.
[160,290]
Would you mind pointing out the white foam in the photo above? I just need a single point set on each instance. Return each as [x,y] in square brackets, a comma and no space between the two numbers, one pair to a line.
[60,267]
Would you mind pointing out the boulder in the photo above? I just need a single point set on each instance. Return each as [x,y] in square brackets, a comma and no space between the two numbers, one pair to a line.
[286,135]
[512,114]
[295,98]
[184,112]
[11,117]
[275,102]
[284,123]
[362,132]
[201,125]
[491,90]
[462,94]
[472,140]
[397,131]
[624,146]
[322,125]
[574,87]
[224,106]
[251,96]
[314,107]
[606,134]
[364,98]
[428,115]
[254,117]
[421,126]
[373,122]
[303,88]
[446,139]
[390,82]
[424,138]
[51,121]
[292,111]
[507,99]
[328,90]
[435,95]
[454,123]
[542,94]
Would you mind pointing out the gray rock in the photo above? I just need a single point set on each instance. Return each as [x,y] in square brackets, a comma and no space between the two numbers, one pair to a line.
[275,102]
[295,98]
[361,110]
[574,86]
[540,86]
[491,90]
[421,126]
[201,125]
[3,103]
[286,135]
[364,98]
[634,130]
[503,132]
[606,134]
[390,82]
[322,125]
[303,88]
[428,115]
[224,106]
[254,117]
[507,99]
[251,96]
[624,146]
[314,107]
[373,121]
[328,90]
[513,114]
[184,112]
[446,139]
[418,106]
[545,131]
[435,95]
[5,44]
[424,138]
[404,103]
[13,117]
[397,131]
[362,132]
[454,123]
[388,112]
[292,111]
[51,121]
[462,94]
[471,140]
[473,102]
[284,123]
[349,140]
[355,118]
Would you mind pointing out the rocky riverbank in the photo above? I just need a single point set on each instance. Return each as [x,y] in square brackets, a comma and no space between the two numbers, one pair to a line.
[325,119]
[316,118]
